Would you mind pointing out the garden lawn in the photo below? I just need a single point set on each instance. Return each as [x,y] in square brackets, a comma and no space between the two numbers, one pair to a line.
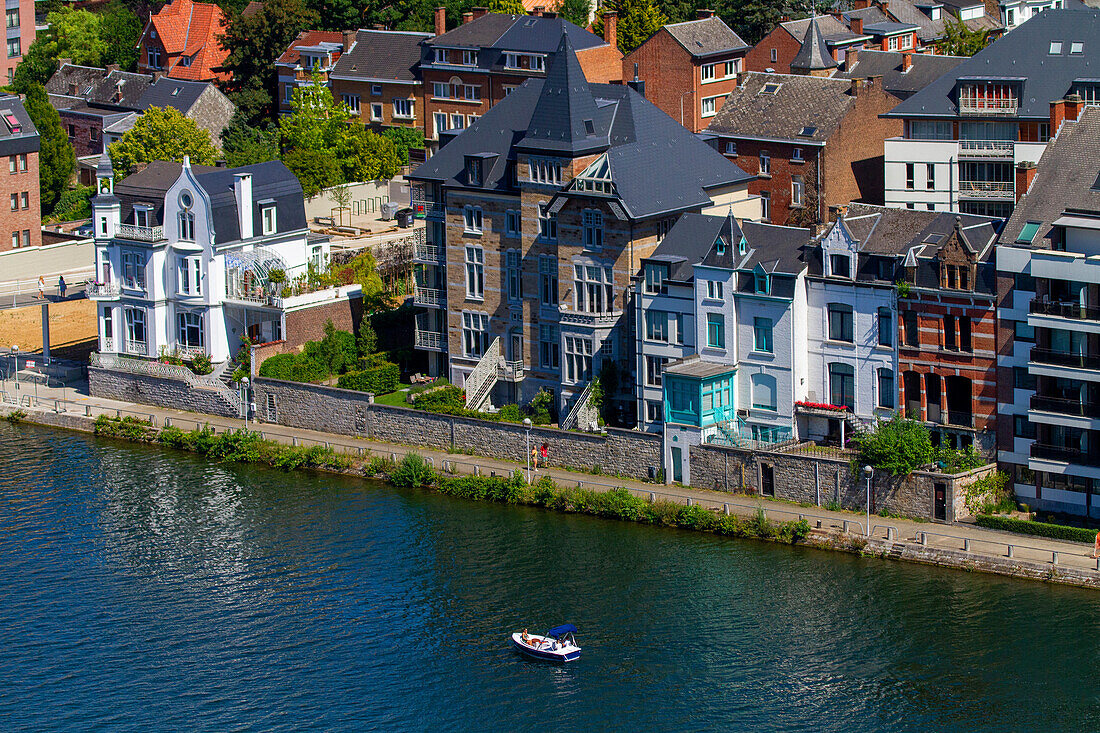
[397,399]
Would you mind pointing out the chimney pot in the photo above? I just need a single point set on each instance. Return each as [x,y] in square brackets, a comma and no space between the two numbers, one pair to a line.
[440,21]
[611,28]
[857,26]
[467,17]
[906,61]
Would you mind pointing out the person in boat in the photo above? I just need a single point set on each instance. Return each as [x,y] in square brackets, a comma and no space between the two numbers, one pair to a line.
[524,637]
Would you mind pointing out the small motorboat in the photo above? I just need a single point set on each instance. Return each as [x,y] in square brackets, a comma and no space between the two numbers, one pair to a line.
[556,645]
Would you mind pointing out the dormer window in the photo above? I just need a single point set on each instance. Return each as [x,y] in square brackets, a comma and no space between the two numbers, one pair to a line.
[142,215]
[720,247]
[655,278]
[440,56]
[473,171]
[596,178]
[267,215]
[840,266]
[762,283]
[742,246]
[988,97]
[538,63]
[14,126]
[955,277]
[469,58]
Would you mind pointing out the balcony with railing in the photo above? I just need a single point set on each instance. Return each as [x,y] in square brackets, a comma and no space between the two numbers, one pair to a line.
[430,297]
[986,149]
[140,234]
[428,253]
[1065,454]
[1063,406]
[510,371]
[139,348]
[102,291]
[988,189]
[582,318]
[108,344]
[421,204]
[1063,309]
[188,352]
[430,340]
[1039,355]
[988,104]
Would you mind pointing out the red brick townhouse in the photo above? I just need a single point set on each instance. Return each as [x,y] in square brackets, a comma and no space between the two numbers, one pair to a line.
[181,40]
[778,49]
[688,68]
[311,52]
[469,69]
[19,146]
[19,16]
[813,143]
[378,77]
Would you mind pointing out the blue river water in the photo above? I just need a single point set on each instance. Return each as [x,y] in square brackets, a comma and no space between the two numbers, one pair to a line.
[145,589]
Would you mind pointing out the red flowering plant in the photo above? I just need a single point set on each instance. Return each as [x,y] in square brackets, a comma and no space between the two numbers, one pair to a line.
[821,406]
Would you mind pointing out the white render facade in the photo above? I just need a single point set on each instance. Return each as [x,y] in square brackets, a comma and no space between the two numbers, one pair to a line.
[174,276]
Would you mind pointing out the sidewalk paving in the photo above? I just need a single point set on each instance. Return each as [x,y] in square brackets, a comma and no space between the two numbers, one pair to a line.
[977,541]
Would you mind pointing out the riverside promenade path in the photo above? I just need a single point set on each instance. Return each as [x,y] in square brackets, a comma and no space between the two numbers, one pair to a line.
[960,545]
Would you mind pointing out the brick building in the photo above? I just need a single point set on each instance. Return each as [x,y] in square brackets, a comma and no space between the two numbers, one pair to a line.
[181,40]
[20,25]
[540,214]
[378,77]
[778,49]
[689,68]
[469,69]
[311,52]
[814,143]
[19,144]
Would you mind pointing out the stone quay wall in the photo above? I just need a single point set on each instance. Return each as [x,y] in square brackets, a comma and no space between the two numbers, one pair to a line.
[161,391]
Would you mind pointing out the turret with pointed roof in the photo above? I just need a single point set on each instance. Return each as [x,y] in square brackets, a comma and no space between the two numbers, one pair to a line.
[814,58]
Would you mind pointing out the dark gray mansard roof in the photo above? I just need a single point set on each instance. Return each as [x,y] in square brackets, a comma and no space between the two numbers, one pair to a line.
[800,102]
[24,141]
[548,116]
[175,93]
[1023,53]
[706,37]
[1066,179]
[270,181]
[516,33]
[926,69]
[382,55]
[693,239]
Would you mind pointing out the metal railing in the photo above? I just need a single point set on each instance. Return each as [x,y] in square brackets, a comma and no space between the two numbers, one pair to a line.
[428,296]
[579,318]
[1064,309]
[1064,453]
[483,376]
[1063,406]
[429,340]
[431,253]
[512,371]
[988,189]
[257,296]
[1062,358]
[989,106]
[986,148]
[578,412]
[140,234]
[102,290]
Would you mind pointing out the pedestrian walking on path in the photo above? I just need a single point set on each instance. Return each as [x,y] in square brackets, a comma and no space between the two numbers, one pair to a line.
[1096,547]
[61,286]
[41,288]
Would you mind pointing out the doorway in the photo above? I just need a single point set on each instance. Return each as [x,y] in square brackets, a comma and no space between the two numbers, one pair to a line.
[767,479]
[940,508]
[677,466]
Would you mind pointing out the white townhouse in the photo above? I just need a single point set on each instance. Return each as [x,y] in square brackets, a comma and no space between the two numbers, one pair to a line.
[851,331]
[185,257]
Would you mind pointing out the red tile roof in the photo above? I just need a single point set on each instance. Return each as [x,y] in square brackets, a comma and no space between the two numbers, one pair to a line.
[310,38]
[187,28]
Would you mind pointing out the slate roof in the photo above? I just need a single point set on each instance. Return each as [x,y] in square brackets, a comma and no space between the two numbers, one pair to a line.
[690,240]
[926,69]
[886,27]
[835,32]
[175,93]
[800,102]
[1021,53]
[191,29]
[706,37]
[1065,179]
[516,33]
[814,54]
[22,139]
[543,114]
[697,367]
[99,86]
[270,180]
[382,55]
[293,55]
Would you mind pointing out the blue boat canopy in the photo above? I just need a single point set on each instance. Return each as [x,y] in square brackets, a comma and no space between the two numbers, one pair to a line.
[562,630]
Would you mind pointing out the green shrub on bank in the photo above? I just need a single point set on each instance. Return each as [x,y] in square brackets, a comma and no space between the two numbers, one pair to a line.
[412,472]
[451,400]
[1039,529]
[898,446]
[127,428]
[246,446]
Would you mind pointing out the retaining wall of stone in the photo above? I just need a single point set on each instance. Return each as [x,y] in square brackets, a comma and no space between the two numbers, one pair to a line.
[160,391]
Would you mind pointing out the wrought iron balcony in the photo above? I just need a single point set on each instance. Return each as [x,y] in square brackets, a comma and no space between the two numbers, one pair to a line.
[1062,358]
[989,106]
[987,149]
[1063,406]
[988,189]
[429,296]
[1064,309]
[102,290]
[140,234]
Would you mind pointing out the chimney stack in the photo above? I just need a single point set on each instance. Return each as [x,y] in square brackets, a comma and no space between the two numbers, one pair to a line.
[906,61]
[861,4]
[1025,175]
[440,21]
[1074,107]
[851,58]
[549,14]
[704,13]
[856,25]
[349,39]
[242,191]
[478,12]
[1057,116]
[611,28]
[467,17]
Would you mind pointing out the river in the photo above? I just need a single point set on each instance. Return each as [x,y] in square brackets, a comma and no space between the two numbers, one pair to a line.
[146,589]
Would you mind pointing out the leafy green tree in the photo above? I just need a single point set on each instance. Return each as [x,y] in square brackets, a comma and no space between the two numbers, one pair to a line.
[364,155]
[55,155]
[508,7]
[575,11]
[638,20]
[162,133]
[750,19]
[959,40]
[120,30]
[245,145]
[404,138]
[367,340]
[37,66]
[899,447]
[254,42]
[315,169]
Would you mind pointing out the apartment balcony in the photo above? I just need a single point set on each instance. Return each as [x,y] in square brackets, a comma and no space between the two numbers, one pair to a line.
[1065,454]
[430,340]
[958,419]
[140,234]
[1076,311]
[421,204]
[592,320]
[989,106]
[1040,355]
[429,297]
[510,371]
[256,296]
[138,348]
[988,190]
[188,352]
[987,149]
[102,291]
[429,254]
[1063,406]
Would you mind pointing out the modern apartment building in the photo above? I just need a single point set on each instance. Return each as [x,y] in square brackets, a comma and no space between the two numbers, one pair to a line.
[469,69]
[1048,267]
[539,216]
[688,69]
[19,146]
[967,133]
[185,255]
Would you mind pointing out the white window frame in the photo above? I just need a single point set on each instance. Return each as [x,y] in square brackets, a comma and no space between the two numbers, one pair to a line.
[546,171]
[578,359]
[708,73]
[714,289]
[376,111]
[352,101]
[189,275]
[186,323]
[475,272]
[269,219]
[472,220]
[135,319]
[765,163]
[133,270]
[404,108]
[593,287]
[708,106]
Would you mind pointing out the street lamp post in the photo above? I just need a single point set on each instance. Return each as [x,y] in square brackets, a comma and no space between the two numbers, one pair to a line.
[244,400]
[869,473]
[15,366]
[527,425]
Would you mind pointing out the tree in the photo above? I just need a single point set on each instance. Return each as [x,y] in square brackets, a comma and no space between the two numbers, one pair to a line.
[750,19]
[508,7]
[899,446]
[37,66]
[78,36]
[959,40]
[243,144]
[120,30]
[638,20]
[55,155]
[575,11]
[315,170]
[162,133]
[254,42]
[404,138]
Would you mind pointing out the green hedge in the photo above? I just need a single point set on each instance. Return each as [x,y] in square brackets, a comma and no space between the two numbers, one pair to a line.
[293,368]
[380,379]
[1040,529]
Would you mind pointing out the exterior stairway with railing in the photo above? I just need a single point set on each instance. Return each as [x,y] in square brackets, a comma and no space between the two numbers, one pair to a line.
[583,413]
[480,383]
